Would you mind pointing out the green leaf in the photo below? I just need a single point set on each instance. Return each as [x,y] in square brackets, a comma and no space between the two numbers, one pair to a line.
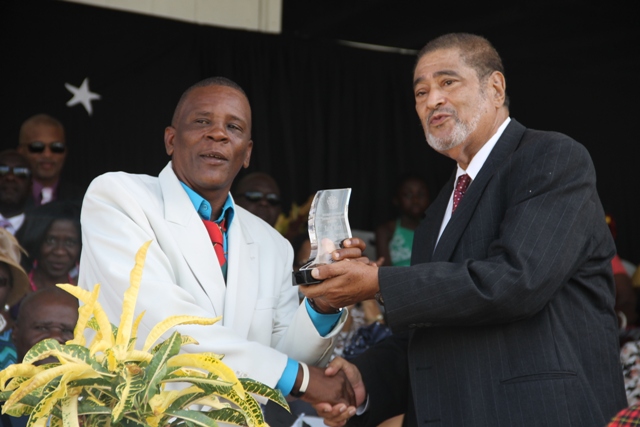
[185,401]
[93,324]
[70,411]
[72,353]
[264,390]
[186,339]
[228,415]
[129,421]
[92,383]
[158,366]
[248,405]
[55,422]
[43,408]
[86,407]
[127,390]
[210,380]
[195,417]
[21,409]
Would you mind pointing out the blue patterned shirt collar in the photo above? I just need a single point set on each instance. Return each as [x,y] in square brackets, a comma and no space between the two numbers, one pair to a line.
[204,207]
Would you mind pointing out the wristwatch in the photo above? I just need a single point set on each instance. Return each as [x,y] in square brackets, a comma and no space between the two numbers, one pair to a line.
[379,298]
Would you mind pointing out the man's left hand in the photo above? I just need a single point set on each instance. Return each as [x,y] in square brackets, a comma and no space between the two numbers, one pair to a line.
[344,283]
[352,248]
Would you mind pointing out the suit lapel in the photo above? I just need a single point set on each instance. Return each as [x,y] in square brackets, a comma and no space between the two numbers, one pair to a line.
[192,239]
[454,230]
[429,228]
[243,277]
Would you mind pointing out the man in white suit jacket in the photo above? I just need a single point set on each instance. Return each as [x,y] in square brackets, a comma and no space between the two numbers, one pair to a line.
[264,331]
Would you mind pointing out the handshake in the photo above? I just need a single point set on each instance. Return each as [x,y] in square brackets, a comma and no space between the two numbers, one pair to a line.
[334,392]
[337,391]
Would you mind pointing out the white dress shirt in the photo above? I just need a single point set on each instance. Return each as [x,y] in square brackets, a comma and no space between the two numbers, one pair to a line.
[472,170]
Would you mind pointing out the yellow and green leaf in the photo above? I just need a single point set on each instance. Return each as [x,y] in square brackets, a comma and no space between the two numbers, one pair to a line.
[172,321]
[130,297]
[210,364]
[264,390]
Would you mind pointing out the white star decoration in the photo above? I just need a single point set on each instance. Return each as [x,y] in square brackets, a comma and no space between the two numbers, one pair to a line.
[82,95]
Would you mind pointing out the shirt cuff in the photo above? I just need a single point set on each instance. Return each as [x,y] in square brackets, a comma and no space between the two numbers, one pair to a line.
[364,407]
[324,323]
[288,378]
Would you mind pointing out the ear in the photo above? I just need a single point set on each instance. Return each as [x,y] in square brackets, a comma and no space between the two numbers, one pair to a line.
[499,86]
[169,137]
[247,154]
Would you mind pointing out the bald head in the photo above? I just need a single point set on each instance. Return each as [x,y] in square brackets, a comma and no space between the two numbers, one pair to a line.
[42,142]
[47,313]
[211,81]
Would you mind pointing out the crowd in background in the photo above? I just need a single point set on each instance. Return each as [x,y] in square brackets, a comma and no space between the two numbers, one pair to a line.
[41,240]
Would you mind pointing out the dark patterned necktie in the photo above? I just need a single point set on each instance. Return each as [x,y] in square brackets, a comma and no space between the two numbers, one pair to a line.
[461,187]
[215,231]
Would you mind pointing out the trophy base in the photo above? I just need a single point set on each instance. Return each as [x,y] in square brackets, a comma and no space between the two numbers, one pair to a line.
[304,277]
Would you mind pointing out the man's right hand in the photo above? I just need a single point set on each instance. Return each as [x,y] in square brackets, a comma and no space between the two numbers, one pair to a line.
[337,415]
[334,390]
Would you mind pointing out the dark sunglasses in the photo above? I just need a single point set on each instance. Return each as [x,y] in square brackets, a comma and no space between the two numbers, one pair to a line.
[39,146]
[255,196]
[18,171]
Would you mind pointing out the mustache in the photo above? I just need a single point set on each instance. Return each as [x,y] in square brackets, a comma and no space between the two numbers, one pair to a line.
[446,110]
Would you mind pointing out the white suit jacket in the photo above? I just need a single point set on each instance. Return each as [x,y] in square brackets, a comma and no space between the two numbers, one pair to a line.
[262,322]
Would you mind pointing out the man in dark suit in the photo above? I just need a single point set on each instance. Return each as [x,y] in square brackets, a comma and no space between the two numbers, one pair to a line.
[505,317]
[42,142]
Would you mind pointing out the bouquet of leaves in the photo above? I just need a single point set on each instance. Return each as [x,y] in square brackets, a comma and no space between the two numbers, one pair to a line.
[110,383]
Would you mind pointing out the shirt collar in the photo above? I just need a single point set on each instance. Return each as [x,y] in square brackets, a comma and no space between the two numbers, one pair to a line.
[481,156]
[36,188]
[15,221]
[203,207]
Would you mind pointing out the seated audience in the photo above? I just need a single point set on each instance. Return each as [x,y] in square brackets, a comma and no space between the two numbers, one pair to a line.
[627,417]
[42,142]
[259,193]
[626,298]
[15,187]
[394,238]
[48,313]
[14,284]
[51,236]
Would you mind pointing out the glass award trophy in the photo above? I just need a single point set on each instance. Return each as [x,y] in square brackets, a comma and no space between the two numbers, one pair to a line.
[328,226]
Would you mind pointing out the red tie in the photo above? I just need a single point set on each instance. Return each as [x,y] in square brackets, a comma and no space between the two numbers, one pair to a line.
[461,187]
[215,233]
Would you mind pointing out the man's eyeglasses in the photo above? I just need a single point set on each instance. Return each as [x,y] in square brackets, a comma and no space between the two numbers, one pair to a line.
[18,171]
[39,146]
[255,196]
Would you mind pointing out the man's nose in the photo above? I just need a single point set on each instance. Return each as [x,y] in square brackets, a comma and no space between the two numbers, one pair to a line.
[59,335]
[435,99]
[47,151]
[218,132]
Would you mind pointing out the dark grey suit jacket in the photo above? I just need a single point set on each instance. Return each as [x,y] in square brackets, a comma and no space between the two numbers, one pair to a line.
[510,320]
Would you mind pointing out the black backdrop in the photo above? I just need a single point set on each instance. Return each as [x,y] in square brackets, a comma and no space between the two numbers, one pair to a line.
[325,115]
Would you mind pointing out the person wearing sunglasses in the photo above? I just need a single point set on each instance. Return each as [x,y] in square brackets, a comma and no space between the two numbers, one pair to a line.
[15,189]
[42,141]
[259,193]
